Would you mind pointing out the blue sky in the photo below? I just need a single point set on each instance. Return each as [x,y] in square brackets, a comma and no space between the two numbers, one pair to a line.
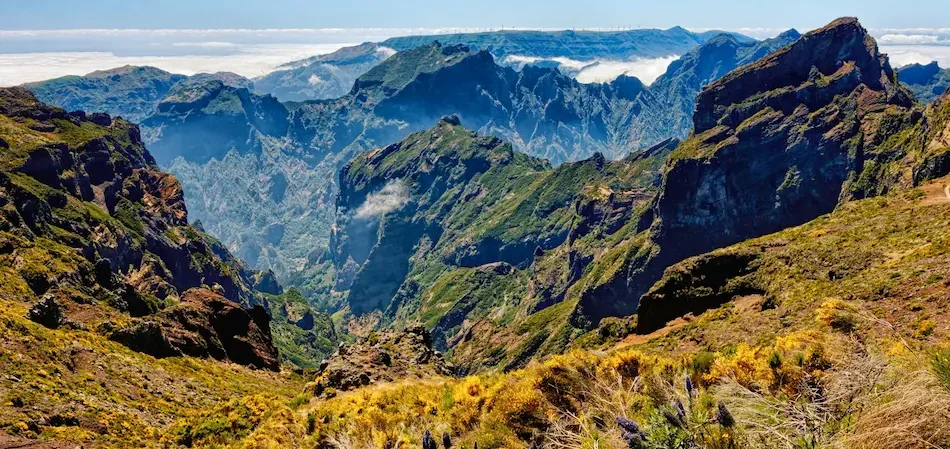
[72,14]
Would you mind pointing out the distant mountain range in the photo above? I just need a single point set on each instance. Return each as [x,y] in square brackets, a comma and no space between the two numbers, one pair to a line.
[331,76]
[259,173]
[928,82]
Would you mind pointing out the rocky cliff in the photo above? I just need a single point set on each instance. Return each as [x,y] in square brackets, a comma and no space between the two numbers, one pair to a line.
[98,237]
[775,144]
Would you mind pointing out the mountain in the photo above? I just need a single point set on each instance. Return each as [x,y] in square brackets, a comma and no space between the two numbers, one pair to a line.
[93,223]
[130,92]
[331,76]
[261,174]
[776,143]
[447,226]
[928,82]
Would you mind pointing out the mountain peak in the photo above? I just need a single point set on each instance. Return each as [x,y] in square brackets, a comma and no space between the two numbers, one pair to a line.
[791,33]
[837,56]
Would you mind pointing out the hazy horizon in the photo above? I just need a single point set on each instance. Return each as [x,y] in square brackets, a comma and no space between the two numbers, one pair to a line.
[37,55]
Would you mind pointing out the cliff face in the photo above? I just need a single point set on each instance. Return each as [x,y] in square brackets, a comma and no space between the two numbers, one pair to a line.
[775,144]
[94,231]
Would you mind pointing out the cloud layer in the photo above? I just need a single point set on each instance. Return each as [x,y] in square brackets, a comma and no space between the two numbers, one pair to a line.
[392,196]
[645,69]
[901,55]
[249,61]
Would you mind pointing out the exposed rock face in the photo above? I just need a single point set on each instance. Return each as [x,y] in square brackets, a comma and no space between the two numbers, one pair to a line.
[87,219]
[382,357]
[205,324]
[776,143]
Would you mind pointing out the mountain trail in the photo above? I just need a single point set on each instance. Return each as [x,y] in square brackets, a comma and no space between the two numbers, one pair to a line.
[937,192]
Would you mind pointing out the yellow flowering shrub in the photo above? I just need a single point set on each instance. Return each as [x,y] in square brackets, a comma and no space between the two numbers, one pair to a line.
[748,366]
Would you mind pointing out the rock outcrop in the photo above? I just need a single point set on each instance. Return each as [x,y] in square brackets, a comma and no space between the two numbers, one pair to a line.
[381,357]
[91,227]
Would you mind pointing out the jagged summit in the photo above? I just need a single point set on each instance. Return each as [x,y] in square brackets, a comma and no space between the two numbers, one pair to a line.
[842,50]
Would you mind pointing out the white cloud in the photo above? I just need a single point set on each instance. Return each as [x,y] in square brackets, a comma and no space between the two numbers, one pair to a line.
[385,51]
[314,80]
[912,39]
[250,61]
[901,55]
[392,196]
[211,44]
[602,71]
[646,70]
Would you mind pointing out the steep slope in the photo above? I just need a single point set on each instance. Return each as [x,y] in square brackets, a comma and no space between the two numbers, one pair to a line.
[776,143]
[447,226]
[928,82]
[90,220]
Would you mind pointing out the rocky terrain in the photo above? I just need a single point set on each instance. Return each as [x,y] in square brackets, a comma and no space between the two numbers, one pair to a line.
[379,358]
